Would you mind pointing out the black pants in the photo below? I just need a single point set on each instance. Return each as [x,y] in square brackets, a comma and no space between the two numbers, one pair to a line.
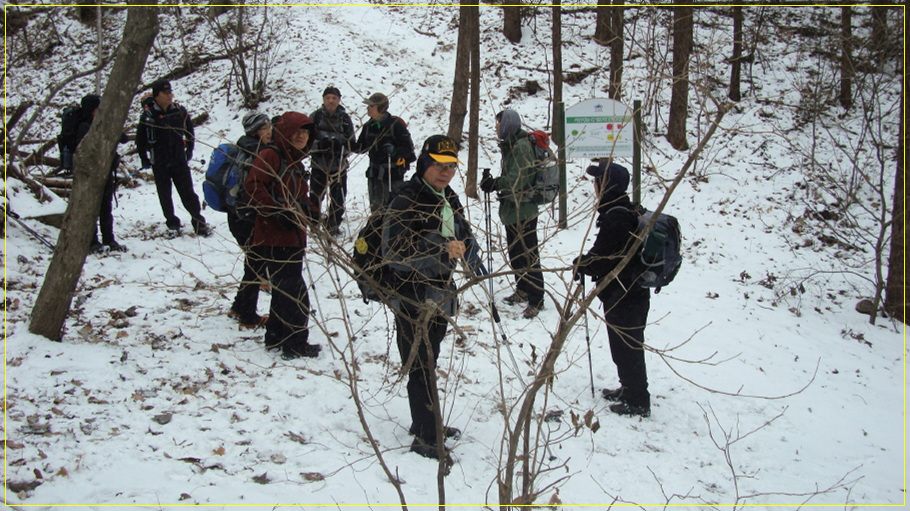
[179,175]
[106,213]
[289,310]
[626,329]
[253,268]
[336,182]
[421,387]
[524,258]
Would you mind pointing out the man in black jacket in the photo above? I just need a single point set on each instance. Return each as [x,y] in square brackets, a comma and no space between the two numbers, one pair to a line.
[90,104]
[390,147]
[329,159]
[625,302]
[424,236]
[165,140]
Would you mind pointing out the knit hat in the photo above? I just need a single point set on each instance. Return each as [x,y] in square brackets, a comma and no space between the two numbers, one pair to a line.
[160,86]
[379,99]
[90,102]
[253,122]
[331,90]
[509,123]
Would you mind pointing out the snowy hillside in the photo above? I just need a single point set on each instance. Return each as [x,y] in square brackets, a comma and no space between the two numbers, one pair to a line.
[768,388]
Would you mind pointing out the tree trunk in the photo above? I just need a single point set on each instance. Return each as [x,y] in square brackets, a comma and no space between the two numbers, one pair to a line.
[846,57]
[91,165]
[511,22]
[736,59]
[616,48]
[679,99]
[557,60]
[474,120]
[895,292]
[459,105]
[603,31]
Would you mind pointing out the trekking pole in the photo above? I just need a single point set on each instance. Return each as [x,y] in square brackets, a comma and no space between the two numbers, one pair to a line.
[588,339]
[390,173]
[493,310]
[42,239]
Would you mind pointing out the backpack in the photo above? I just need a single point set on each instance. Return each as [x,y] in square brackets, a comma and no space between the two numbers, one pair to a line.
[225,177]
[546,179]
[660,251]
[66,140]
[371,273]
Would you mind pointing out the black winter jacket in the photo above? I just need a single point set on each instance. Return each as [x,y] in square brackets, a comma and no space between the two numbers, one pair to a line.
[414,247]
[169,136]
[376,136]
[336,135]
[617,224]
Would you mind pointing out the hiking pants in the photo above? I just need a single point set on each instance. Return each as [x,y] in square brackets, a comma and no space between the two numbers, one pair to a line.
[421,387]
[106,213]
[289,310]
[524,258]
[337,184]
[253,268]
[626,330]
[177,173]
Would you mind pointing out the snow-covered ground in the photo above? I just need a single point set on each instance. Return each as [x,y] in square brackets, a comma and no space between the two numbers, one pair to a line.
[155,398]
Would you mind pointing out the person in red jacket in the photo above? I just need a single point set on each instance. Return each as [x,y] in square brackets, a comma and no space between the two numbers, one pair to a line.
[278,190]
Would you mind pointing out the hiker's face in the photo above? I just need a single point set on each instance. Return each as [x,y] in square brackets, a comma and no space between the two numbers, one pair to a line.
[438,175]
[300,139]
[330,101]
[164,99]
[374,113]
[265,133]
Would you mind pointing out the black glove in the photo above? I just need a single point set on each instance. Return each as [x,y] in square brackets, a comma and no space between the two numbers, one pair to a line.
[287,220]
[388,149]
[189,156]
[146,163]
[488,185]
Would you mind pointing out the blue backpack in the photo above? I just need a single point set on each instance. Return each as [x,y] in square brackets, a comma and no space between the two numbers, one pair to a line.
[225,176]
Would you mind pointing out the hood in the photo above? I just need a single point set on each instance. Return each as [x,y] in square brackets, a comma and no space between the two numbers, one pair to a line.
[509,124]
[288,124]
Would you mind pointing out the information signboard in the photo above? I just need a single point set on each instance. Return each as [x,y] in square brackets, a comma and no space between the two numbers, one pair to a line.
[599,128]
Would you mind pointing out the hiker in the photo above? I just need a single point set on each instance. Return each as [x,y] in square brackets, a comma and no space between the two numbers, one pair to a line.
[424,237]
[165,140]
[387,140]
[517,211]
[329,159]
[278,190]
[625,302]
[89,105]
[241,220]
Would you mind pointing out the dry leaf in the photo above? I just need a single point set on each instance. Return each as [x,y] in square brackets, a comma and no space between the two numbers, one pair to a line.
[312,476]
[63,472]
[219,451]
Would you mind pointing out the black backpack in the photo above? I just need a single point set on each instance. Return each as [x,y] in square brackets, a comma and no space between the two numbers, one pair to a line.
[660,250]
[546,179]
[370,271]
[69,128]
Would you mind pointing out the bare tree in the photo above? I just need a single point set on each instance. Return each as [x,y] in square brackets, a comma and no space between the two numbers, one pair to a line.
[603,31]
[895,288]
[511,22]
[736,59]
[847,71]
[557,56]
[92,161]
[467,57]
[617,47]
[679,98]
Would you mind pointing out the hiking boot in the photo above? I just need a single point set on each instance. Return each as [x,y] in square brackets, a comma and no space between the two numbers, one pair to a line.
[453,433]
[113,246]
[307,350]
[531,311]
[518,296]
[203,230]
[172,232]
[427,449]
[613,394]
[248,321]
[96,248]
[627,409]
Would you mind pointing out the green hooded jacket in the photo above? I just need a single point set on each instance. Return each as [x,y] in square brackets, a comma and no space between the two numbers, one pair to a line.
[518,175]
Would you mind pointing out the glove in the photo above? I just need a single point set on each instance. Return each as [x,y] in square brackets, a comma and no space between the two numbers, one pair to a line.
[488,185]
[287,220]
[388,149]
[401,162]
[146,164]
[189,156]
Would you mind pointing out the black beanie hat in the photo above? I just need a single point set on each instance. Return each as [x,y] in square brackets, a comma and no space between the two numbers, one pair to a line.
[90,102]
[331,90]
